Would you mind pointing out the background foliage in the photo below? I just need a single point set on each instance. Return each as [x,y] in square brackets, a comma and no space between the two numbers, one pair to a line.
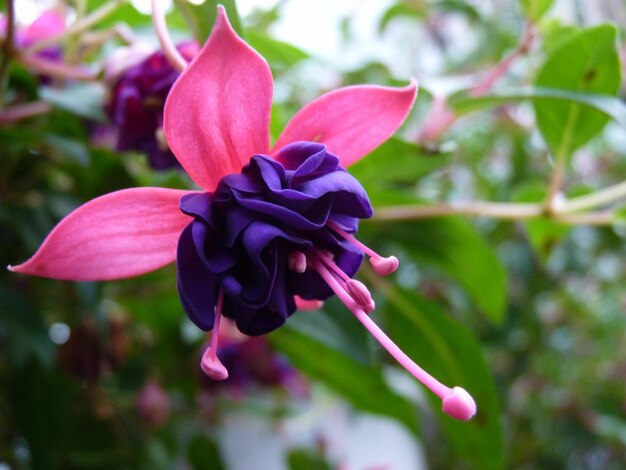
[494,196]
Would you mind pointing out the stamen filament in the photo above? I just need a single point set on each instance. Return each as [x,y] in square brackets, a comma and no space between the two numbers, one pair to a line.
[366,249]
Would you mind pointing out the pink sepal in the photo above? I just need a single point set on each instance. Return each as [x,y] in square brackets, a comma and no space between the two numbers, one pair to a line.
[122,234]
[218,112]
[351,121]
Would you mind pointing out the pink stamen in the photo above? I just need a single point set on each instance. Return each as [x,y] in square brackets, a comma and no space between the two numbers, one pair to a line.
[456,402]
[356,289]
[211,365]
[381,265]
[361,295]
[384,266]
[297,261]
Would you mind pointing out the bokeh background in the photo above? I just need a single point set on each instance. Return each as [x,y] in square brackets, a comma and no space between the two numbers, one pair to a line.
[527,313]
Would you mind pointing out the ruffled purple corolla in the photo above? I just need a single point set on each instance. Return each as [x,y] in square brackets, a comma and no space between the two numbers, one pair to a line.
[247,235]
[136,106]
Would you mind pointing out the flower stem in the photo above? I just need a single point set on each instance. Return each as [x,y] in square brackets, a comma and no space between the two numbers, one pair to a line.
[23,111]
[55,69]
[169,49]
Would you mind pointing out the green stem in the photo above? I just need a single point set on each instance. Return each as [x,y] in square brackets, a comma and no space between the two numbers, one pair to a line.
[596,199]
[562,156]
[497,210]
[494,210]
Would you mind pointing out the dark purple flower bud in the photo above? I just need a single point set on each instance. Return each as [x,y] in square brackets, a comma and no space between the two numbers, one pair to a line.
[136,106]
[244,233]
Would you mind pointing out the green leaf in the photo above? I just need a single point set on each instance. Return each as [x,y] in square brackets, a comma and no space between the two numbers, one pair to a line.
[544,234]
[304,459]
[83,99]
[449,351]
[204,454]
[535,9]
[409,10]
[587,63]
[277,53]
[610,106]
[200,17]
[361,385]
[23,330]
[396,161]
[453,246]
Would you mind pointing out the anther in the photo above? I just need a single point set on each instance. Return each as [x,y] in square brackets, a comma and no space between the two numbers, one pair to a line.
[210,364]
[360,294]
[381,265]
[297,261]
[384,266]
[459,404]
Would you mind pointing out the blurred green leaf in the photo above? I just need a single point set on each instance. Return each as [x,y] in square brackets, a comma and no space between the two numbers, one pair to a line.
[454,247]
[361,385]
[399,10]
[611,106]
[201,16]
[277,53]
[535,9]
[449,351]
[23,330]
[304,459]
[204,454]
[544,234]
[396,161]
[83,99]
[556,33]
[587,63]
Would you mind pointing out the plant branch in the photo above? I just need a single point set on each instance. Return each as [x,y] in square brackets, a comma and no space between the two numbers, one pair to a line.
[56,69]
[440,117]
[498,210]
[598,198]
[169,49]
[23,111]
[495,210]
[79,27]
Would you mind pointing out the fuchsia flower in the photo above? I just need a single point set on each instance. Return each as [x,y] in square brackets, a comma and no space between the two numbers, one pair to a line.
[136,105]
[254,238]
